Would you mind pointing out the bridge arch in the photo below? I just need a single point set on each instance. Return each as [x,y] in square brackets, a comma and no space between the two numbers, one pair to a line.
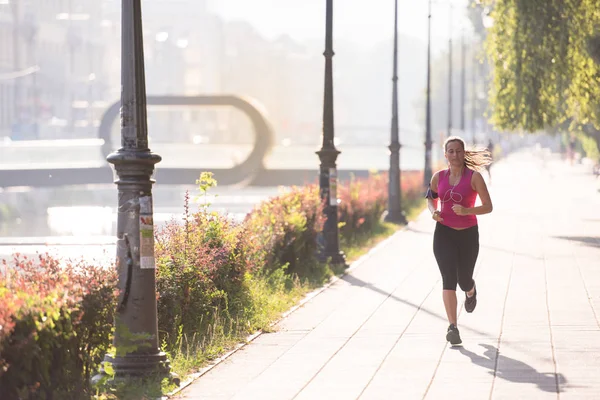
[263,131]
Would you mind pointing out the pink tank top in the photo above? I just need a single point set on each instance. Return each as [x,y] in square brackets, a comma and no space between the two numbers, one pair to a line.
[462,194]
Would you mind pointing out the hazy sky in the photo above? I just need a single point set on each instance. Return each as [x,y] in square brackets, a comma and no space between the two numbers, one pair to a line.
[360,21]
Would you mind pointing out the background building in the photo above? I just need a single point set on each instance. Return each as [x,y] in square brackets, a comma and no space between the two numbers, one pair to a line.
[52,66]
[74,48]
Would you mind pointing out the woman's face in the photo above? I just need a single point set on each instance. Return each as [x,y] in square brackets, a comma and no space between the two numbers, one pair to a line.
[455,153]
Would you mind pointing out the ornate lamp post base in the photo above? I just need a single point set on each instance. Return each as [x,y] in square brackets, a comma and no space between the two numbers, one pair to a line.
[329,238]
[399,219]
[141,366]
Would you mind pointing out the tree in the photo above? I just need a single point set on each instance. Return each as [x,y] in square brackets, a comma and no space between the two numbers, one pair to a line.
[546,64]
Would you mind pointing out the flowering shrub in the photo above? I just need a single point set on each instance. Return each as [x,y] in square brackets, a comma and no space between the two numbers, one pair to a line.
[200,270]
[286,227]
[363,202]
[55,325]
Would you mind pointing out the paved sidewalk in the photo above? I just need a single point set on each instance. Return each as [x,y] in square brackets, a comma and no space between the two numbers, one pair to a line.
[379,333]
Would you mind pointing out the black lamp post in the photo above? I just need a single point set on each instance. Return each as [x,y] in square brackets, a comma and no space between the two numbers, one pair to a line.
[330,247]
[394,213]
[136,318]
[474,97]
[73,42]
[30,30]
[462,81]
[16,53]
[427,170]
[450,72]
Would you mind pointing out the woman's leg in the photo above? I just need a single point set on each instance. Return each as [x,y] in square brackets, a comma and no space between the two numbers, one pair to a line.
[450,303]
[446,255]
[469,250]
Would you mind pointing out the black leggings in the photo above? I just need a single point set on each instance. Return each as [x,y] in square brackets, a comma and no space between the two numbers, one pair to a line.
[456,252]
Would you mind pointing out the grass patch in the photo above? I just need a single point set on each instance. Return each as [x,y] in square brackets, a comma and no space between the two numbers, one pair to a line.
[135,389]
[362,244]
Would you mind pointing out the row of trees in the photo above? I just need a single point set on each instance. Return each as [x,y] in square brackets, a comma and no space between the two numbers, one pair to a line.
[546,66]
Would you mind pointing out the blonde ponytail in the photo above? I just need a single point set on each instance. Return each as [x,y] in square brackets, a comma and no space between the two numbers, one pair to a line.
[475,158]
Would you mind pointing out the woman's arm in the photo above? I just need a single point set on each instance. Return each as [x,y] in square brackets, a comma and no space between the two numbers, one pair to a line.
[432,202]
[480,187]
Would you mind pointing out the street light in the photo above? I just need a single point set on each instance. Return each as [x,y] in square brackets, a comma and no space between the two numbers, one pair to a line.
[427,170]
[16,53]
[329,249]
[450,71]
[136,319]
[30,29]
[73,42]
[394,213]
[474,97]
[462,81]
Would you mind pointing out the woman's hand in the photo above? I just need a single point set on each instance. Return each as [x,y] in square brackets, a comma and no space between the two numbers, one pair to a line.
[459,210]
[437,217]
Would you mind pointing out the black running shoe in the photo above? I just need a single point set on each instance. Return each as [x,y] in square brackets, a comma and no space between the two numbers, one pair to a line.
[453,336]
[471,302]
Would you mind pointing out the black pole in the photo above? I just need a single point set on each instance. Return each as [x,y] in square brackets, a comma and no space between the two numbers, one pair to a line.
[450,73]
[329,248]
[30,32]
[462,82]
[474,97]
[427,170]
[136,320]
[394,212]
[16,48]
[71,97]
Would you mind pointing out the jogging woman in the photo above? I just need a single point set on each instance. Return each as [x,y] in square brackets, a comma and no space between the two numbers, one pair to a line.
[456,237]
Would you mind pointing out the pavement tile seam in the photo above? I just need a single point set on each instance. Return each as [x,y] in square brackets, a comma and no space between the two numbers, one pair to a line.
[397,340]
[561,367]
[552,334]
[404,279]
[587,291]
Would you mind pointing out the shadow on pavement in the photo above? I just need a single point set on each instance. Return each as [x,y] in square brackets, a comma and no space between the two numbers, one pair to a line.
[593,241]
[354,281]
[514,370]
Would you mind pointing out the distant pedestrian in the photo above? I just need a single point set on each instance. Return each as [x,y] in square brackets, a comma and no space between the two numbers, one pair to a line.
[490,147]
[456,237]
[571,149]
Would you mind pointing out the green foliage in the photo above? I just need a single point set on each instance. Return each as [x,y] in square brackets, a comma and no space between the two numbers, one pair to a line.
[55,327]
[543,56]
[287,227]
[589,145]
[7,213]
[205,182]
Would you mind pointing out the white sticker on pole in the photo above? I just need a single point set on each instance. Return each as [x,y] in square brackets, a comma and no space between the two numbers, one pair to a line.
[333,187]
[146,234]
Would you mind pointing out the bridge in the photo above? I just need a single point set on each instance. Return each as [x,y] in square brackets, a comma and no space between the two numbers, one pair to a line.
[48,163]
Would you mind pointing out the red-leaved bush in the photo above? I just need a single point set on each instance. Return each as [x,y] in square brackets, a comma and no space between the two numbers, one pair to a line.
[55,326]
[287,227]
[362,202]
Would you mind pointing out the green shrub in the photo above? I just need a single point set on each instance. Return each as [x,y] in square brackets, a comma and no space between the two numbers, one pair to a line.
[56,322]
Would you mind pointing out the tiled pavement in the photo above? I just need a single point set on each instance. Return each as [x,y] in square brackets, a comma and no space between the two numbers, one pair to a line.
[379,333]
